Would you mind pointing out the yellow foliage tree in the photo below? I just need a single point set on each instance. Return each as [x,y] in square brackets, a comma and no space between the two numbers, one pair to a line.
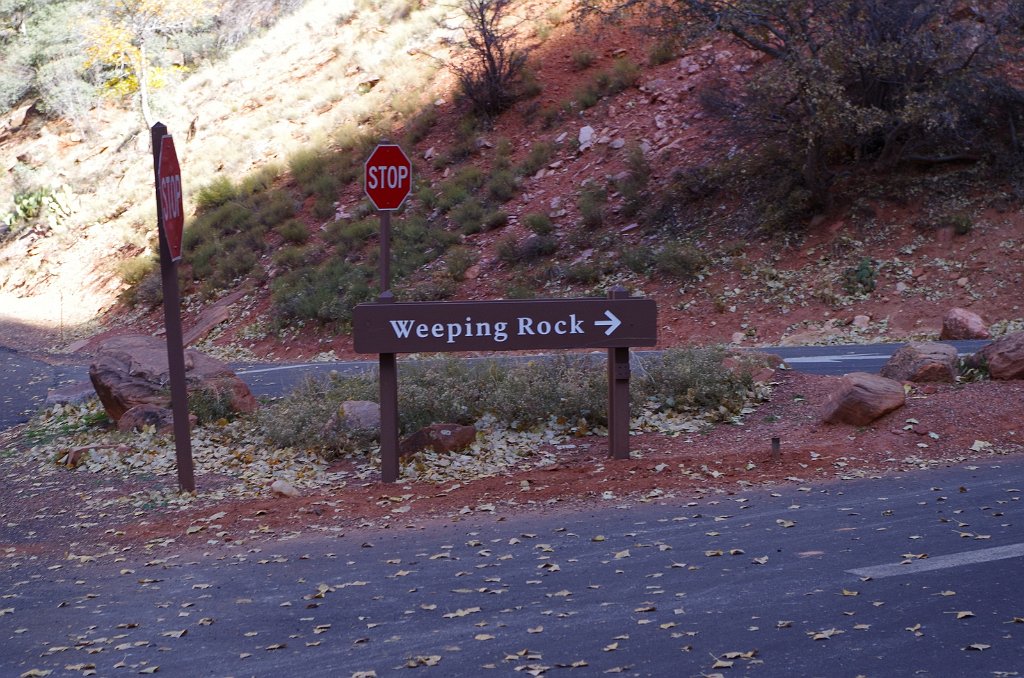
[119,42]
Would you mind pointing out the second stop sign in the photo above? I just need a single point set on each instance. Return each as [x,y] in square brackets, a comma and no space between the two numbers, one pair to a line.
[388,177]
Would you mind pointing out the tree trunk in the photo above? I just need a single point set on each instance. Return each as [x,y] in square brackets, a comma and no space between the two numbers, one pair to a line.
[143,71]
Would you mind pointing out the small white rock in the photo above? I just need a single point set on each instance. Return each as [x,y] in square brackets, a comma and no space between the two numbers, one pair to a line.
[282,488]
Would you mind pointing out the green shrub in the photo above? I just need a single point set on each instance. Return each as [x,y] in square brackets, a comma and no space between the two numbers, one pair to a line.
[537,246]
[539,156]
[458,261]
[591,205]
[307,166]
[584,273]
[324,208]
[502,187]
[308,416]
[680,260]
[961,223]
[582,59]
[633,187]
[465,183]
[351,234]
[419,126]
[526,395]
[274,207]
[210,405]
[639,259]
[662,52]
[291,257]
[132,271]
[259,181]
[587,96]
[539,223]
[468,216]
[689,379]
[860,279]
[625,74]
[507,249]
[215,194]
[495,219]
[293,231]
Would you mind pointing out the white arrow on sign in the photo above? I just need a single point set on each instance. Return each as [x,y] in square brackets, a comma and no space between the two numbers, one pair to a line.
[612,323]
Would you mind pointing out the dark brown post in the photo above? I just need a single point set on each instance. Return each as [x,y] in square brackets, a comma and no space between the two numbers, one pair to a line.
[175,347]
[618,393]
[385,252]
[388,368]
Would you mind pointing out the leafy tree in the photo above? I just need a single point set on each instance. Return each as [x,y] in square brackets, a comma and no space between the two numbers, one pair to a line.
[491,77]
[122,42]
[877,82]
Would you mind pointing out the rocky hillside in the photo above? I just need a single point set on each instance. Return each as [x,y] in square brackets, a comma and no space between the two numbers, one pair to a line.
[613,166]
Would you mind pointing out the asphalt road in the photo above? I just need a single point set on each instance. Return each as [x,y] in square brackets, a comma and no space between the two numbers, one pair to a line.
[908,576]
[24,382]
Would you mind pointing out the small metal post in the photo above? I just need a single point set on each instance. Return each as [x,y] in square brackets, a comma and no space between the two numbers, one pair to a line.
[175,346]
[618,393]
[776,449]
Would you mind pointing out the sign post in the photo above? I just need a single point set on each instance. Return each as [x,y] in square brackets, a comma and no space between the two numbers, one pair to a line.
[614,323]
[170,220]
[387,182]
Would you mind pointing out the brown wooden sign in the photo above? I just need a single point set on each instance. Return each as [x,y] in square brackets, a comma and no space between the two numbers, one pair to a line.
[544,324]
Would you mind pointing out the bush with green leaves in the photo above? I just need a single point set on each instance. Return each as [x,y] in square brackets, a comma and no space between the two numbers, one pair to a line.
[539,223]
[868,83]
[591,204]
[538,156]
[525,394]
[680,260]
[491,79]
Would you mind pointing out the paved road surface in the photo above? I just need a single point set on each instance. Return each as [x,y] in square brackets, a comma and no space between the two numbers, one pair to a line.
[911,576]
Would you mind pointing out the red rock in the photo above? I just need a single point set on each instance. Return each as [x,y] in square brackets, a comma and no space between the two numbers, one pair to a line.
[132,370]
[959,323]
[1004,357]
[921,362]
[861,398]
[440,438]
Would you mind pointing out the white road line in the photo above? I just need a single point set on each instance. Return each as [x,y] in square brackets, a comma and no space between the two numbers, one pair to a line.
[281,368]
[836,358]
[941,562]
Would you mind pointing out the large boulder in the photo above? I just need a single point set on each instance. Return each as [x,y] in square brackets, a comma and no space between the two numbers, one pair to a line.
[132,370]
[440,438]
[861,398]
[1004,357]
[920,362]
[959,323]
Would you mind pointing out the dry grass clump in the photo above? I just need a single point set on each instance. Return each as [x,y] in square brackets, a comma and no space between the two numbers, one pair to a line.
[524,395]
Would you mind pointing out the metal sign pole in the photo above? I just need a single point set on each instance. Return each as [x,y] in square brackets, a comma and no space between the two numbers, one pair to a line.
[388,367]
[172,322]
[618,393]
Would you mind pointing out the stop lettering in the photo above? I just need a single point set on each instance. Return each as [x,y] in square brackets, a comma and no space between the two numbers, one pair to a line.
[388,177]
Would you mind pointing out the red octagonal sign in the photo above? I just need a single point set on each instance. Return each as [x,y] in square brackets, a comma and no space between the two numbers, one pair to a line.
[388,177]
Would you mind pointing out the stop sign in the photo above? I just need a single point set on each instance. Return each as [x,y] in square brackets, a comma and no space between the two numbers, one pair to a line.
[388,177]
[169,191]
